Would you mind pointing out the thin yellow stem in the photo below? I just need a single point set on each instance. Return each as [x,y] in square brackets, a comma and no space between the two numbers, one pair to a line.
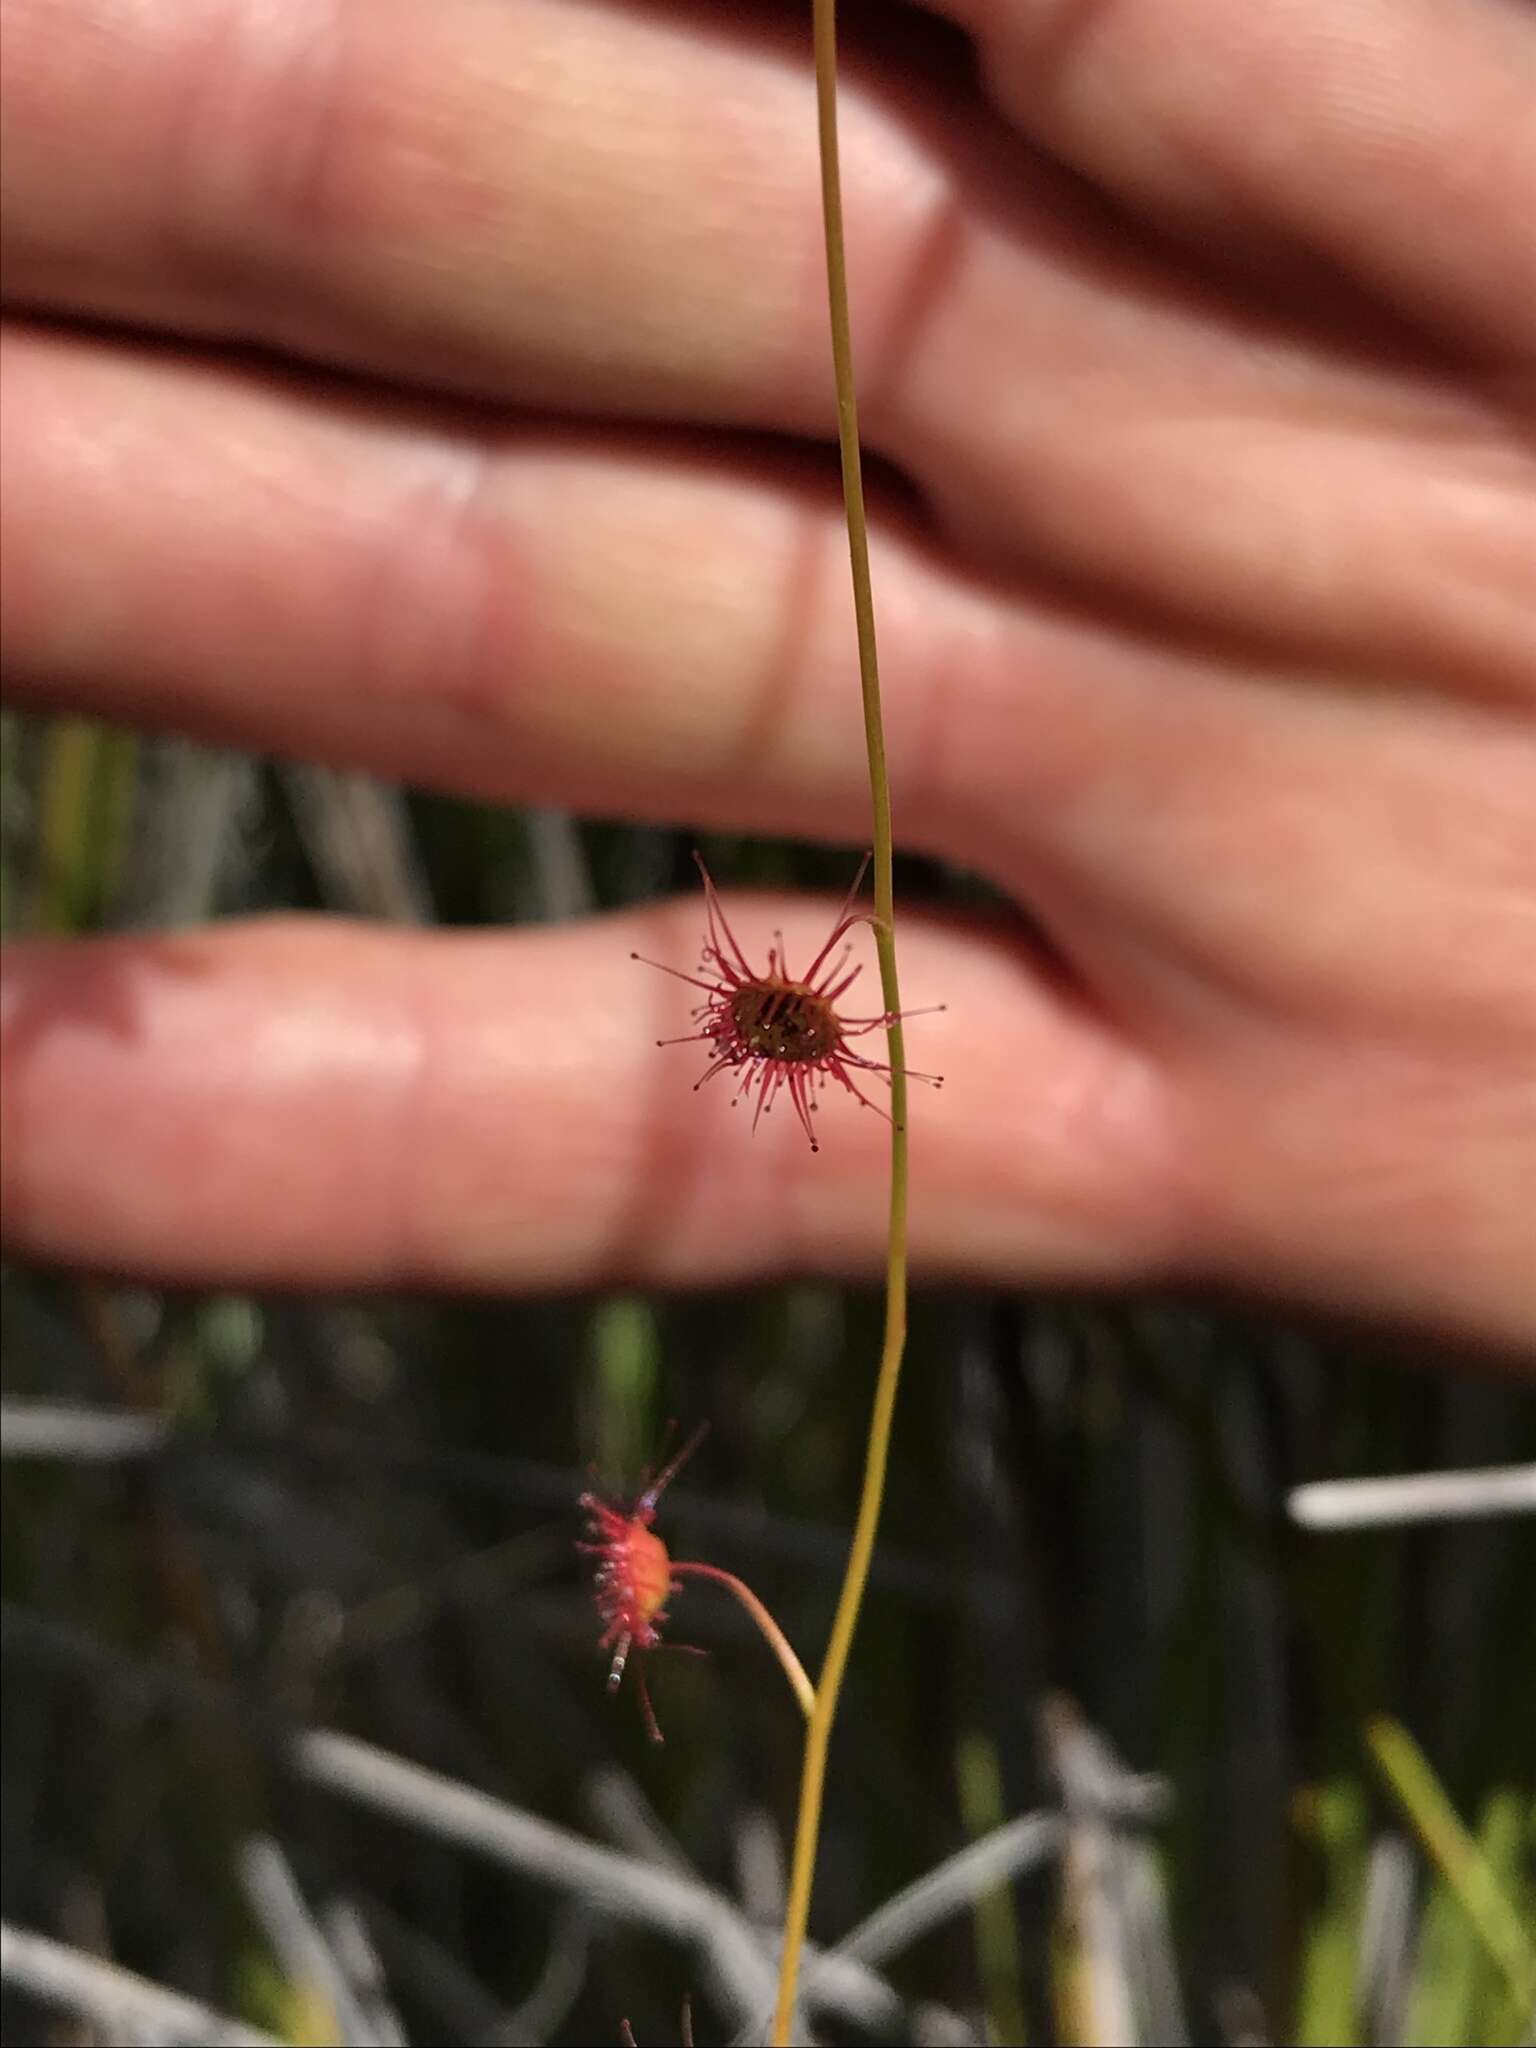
[829,1686]
[772,1634]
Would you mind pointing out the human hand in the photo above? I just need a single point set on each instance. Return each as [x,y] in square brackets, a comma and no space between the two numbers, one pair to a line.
[1204,568]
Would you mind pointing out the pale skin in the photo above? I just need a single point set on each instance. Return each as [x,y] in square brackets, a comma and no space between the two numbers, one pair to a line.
[1197,354]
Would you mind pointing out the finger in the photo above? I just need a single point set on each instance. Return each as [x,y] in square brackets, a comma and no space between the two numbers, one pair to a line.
[495,195]
[1069,405]
[1168,463]
[1393,140]
[1200,839]
[505,200]
[495,198]
[306,1104]
[651,634]
[646,628]
[621,625]
[1368,1172]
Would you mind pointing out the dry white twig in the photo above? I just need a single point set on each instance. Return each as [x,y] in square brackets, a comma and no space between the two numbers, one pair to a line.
[118,2000]
[759,1860]
[952,1886]
[544,2008]
[282,1912]
[358,835]
[81,1436]
[1414,1497]
[1130,1977]
[614,1805]
[1157,1970]
[349,1940]
[742,1965]
[742,1961]
[1384,1959]
[461,2007]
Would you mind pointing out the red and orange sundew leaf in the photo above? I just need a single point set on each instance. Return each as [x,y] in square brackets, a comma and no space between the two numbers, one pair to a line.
[633,1577]
[778,1031]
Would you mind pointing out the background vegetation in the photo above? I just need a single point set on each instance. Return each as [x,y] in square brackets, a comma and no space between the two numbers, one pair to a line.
[358,1516]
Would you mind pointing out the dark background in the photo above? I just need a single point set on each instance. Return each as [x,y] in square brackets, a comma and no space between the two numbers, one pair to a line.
[360,1515]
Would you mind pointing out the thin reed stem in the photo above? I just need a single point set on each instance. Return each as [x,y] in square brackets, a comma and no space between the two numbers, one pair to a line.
[829,1685]
[772,1634]
[1457,1854]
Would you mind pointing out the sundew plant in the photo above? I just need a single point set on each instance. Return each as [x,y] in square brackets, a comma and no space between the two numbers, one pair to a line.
[773,1033]
[777,1034]
[470,486]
